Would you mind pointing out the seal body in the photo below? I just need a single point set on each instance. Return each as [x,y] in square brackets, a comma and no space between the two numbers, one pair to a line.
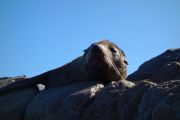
[102,61]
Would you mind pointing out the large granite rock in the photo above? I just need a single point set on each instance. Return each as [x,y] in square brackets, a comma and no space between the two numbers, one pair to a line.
[13,105]
[154,96]
[159,69]
[65,103]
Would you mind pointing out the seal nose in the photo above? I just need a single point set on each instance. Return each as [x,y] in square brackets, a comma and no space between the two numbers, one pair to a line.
[96,49]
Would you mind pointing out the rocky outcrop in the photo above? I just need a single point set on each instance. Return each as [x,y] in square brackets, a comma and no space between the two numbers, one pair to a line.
[4,81]
[159,69]
[13,105]
[154,95]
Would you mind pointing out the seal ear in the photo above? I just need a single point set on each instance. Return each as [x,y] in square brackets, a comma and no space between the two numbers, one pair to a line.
[125,61]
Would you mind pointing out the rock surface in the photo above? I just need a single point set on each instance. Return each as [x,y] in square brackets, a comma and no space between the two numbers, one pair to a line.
[159,69]
[4,81]
[13,105]
[154,95]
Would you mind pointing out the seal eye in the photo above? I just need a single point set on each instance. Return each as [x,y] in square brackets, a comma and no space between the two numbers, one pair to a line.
[112,50]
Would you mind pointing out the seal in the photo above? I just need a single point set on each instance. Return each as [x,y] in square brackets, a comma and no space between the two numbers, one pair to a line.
[102,61]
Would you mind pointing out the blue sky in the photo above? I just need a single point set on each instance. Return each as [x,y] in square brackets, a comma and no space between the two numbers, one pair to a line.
[40,35]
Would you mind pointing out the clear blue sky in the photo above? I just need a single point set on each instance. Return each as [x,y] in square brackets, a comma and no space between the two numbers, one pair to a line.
[40,35]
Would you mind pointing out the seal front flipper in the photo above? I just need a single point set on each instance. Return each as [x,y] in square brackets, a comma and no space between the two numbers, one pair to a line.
[19,85]
[23,84]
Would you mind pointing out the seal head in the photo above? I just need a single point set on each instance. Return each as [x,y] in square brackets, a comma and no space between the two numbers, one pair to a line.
[104,61]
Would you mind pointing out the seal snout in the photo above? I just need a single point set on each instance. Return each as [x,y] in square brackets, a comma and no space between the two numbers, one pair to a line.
[96,49]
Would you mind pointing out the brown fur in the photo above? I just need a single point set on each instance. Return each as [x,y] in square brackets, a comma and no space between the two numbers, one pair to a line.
[102,61]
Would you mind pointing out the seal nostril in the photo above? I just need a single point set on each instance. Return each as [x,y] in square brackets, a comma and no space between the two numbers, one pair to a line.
[96,49]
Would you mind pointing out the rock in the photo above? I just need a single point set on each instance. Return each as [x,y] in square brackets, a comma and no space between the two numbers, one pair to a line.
[13,105]
[104,105]
[168,71]
[4,81]
[155,95]
[65,103]
[159,69]
[169,106]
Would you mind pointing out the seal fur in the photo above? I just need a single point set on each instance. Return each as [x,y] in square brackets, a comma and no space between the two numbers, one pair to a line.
[102,61]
